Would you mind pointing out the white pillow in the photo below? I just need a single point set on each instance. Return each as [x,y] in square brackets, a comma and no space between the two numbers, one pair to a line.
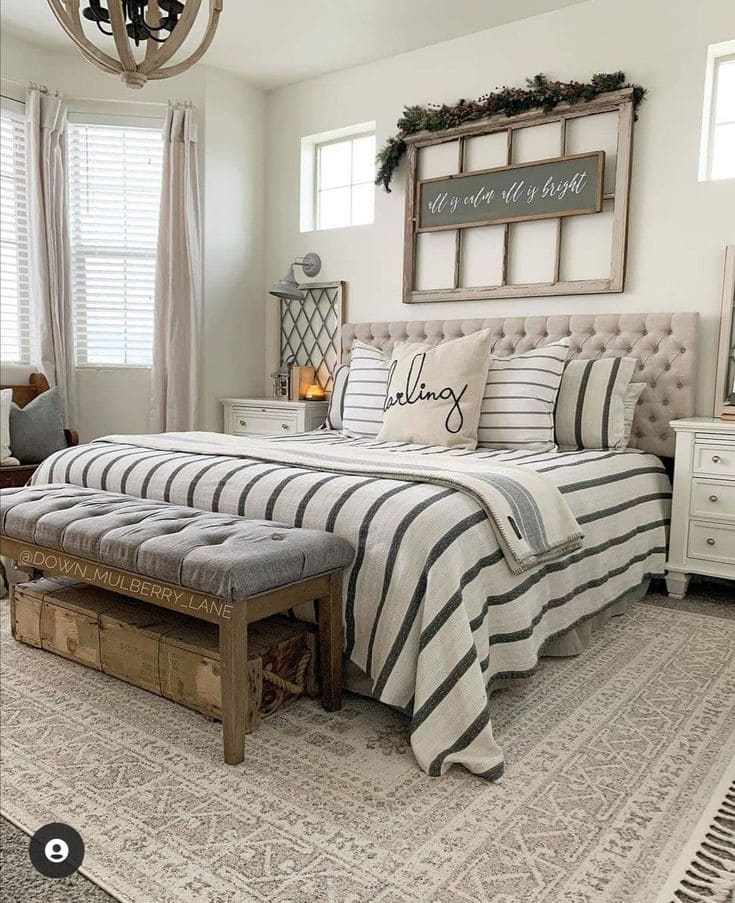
[435,393]
[337,398]
[365,390]
[521,390]
[590,410]
[6,397]
[632,394]
[364,394]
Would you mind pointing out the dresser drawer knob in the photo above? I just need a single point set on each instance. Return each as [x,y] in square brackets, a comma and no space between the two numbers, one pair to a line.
[713,498]
[715,459]
[710,541]
[243,423]
[284,426]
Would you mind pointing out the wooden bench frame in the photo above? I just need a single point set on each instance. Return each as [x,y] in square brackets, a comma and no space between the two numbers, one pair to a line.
[232,618]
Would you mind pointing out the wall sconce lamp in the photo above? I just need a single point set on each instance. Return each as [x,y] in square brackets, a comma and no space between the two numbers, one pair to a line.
[287,287]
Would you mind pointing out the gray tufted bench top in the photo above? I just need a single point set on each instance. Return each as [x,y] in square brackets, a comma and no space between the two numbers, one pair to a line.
[217,554]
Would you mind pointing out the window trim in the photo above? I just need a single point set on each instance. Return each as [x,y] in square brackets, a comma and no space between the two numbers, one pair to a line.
[15,110]
[81,116]
[717,54]
[310,145]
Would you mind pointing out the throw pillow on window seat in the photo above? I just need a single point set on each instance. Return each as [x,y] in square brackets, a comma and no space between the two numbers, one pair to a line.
[37,431]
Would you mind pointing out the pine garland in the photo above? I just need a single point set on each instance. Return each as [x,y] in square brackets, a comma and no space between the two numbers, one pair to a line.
[541,93]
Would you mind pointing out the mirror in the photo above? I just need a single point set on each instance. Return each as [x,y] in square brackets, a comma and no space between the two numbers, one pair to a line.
[725,383]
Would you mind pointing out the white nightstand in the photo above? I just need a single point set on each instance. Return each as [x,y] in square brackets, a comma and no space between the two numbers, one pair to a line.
[703,509]
[272,416]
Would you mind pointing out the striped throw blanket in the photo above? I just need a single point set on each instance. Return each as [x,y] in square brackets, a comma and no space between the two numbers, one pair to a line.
[433,614]
[531,520]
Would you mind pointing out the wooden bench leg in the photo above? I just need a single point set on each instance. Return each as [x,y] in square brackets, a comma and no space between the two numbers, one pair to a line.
[329,609]
[233,650]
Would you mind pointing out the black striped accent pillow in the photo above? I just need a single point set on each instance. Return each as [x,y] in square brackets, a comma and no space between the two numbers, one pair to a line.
[590,409]
[365,392]
[520,393]
[337,398]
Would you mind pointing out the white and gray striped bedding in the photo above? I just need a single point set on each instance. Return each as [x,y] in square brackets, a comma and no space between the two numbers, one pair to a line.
[365,392]
[531,520]
[590,409]
[433,613]
[520,394]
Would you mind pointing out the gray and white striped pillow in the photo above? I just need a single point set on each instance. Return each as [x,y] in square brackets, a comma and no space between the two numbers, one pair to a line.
[590,409]
[520,393]
[365,391]
[337,398]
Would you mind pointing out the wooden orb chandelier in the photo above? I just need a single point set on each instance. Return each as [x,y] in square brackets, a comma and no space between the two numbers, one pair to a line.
[160,26]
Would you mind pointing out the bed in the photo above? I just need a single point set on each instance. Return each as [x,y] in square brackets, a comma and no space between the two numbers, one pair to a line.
[434,615]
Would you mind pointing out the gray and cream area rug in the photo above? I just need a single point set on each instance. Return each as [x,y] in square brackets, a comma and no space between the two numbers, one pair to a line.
[612,758]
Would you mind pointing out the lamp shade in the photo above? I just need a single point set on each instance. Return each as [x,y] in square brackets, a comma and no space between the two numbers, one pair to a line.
[287,287]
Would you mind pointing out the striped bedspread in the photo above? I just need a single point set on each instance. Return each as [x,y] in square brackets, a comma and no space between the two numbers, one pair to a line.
[531,520]
[433,613]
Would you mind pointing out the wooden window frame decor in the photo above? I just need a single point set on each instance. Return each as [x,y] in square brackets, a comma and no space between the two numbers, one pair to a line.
[620,102]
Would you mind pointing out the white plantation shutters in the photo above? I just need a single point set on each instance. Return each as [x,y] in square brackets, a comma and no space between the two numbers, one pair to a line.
[114,195]
[15,341]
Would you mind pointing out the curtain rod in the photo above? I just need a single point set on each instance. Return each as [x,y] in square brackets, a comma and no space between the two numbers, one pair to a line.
[147,103]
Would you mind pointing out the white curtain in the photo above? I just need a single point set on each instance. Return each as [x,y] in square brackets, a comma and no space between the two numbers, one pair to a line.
[175,374]
[48,245]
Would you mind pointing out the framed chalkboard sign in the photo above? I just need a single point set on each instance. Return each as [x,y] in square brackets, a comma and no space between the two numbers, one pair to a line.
[531,205]
[560,186]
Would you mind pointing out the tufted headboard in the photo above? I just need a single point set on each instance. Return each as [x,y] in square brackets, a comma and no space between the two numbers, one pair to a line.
[665,345]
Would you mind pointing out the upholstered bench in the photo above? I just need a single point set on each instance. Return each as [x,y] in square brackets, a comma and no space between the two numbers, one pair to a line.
[219,568]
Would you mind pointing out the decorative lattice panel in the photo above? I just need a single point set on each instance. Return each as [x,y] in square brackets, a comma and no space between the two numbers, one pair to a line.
[310,329]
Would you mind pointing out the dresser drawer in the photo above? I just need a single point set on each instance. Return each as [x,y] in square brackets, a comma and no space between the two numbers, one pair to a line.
[717,460]
[713,499]
[269,423]
[712,542]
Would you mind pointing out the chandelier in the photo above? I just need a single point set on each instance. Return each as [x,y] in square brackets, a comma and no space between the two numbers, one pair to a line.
[160,26]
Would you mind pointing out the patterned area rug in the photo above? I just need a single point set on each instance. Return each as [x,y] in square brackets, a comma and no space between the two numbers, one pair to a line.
[611,759]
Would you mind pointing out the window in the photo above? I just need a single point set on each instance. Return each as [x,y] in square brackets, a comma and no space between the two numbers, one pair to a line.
[717,157]
[114,195]
[15,340]
[338,173]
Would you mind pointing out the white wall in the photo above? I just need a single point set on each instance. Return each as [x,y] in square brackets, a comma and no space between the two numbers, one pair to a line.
[234,116]
[678,226]
[231,117]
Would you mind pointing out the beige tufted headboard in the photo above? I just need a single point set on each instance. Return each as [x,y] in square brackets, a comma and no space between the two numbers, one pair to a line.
[665,345]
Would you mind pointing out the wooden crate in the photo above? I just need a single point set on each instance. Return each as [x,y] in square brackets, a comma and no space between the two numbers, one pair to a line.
[168,654]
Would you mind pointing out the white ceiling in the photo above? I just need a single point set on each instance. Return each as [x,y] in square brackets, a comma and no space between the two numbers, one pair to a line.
[276,42]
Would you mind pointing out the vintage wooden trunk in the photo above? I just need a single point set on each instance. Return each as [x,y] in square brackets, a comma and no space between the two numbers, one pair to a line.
[169,654]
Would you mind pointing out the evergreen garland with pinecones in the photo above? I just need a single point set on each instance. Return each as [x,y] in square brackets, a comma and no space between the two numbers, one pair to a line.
[541,93]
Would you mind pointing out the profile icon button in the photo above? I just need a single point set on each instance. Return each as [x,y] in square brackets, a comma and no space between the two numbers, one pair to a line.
[56,850]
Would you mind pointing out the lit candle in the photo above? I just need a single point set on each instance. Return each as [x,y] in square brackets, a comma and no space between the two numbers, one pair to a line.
[315,393]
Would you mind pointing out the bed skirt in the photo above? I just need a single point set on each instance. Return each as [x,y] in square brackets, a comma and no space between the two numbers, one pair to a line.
[570,643]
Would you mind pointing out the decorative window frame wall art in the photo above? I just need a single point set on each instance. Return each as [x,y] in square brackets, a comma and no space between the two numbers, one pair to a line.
[556,240]
[310,329]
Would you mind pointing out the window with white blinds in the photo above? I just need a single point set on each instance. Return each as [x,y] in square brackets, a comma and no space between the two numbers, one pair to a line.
[114,194]
[15,341]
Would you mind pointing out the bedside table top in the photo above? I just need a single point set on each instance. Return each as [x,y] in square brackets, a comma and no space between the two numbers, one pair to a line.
[273,402]
[705,425]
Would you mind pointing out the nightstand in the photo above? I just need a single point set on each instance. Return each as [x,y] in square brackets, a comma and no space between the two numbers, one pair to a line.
[272,416]
[702,537]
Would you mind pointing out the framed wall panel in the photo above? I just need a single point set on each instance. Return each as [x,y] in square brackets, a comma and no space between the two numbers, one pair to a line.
[582,254]
[310,329]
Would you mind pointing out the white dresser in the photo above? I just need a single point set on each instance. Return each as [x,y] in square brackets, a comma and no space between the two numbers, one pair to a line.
[272,416]
[703,508]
